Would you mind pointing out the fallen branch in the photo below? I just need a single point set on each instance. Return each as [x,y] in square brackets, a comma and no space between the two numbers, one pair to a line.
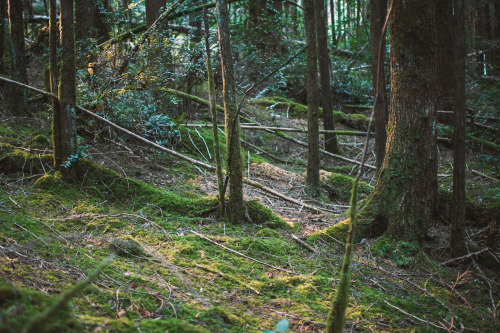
[464,257]
[262,151]
[284,136]
[242,255]
[417,318]
[284,129]
[286,198]
[483,175]
[304,244]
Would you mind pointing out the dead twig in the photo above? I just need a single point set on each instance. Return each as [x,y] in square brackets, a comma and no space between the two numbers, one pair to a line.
[464,257]
[303,244]
[241,254]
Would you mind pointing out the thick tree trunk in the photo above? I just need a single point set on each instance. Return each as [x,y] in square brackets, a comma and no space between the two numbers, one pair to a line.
[403,201]
[153,10]
[234,158]
[378,12]
[67,88]
[18,97]
[3,16]
[331,144]
[458,247]
[312,173]
[90,20]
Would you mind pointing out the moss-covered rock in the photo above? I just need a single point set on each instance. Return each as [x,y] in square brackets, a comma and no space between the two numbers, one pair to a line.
[262,215]
[38,141]
[267,232]
[127,246]
[17,160]
[19,305]
[340,186]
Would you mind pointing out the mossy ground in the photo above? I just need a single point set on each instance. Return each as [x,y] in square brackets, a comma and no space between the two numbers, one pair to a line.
[53,233]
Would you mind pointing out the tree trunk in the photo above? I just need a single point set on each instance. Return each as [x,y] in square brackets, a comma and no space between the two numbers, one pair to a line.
[3,16]
[378,12]
[331,144]
[312,173]
[18,96]
[332,15]
[91,21]
[403,201]
[444,33]
[458,247]
[56,111]
[153,10]
[234,157]
[67,89]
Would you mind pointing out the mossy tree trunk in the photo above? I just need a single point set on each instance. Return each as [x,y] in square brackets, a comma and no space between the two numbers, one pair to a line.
[331,144]
[403,201]
[67,89]
[378,10]
[18,96]
[458,247]
[312,173]
[234,157]
[56,111]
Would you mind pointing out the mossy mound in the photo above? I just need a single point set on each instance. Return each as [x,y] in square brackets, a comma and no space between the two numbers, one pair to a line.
[267,232]
[340,187]
[18,306]
[334,234]
[38,141]
[127,247]
[296,110]
[262,215]
[14,160]
[403,254]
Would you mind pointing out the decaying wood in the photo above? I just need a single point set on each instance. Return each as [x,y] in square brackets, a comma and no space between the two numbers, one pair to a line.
[303,244]
[483,175]
[243,255]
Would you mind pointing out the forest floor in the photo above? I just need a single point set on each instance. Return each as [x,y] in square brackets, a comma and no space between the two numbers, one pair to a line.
[180,266]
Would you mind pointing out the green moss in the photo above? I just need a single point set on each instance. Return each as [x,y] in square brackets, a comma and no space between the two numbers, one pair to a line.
[266,232]
[39,141]
[403,254]
[127,246]
[16,160]
[262,215]
[341,186]
[338,232]
[481,213]
[19,305]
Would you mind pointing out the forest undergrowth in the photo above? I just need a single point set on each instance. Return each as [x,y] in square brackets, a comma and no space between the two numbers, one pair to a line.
[179,266]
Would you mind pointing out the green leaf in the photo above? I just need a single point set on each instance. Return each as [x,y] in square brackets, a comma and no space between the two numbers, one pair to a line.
[282,325]
[269,331]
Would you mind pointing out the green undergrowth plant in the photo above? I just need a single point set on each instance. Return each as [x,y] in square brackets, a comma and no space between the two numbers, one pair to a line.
[403,254]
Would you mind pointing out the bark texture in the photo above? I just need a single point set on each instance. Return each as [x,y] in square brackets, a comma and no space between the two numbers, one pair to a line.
[331,144]
[312,173]
[91,20]
[458,247]
[18,97]
[3,25]
[403,202]
[378,13]
[154,10]
[67,88]
[234,157]
[444,33]
[56,111]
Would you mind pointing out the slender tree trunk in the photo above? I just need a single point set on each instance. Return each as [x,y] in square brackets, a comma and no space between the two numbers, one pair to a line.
[458,214]
[213,109]
[3,26]
[378,13]
[444,33]
[403,201]
[331,144]
[56,111]
[18,96]
[312,173]
[67,88]
[332,16]
[234,157]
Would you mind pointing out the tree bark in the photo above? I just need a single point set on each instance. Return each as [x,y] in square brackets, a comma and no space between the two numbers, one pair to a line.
[90,20]
[67,89]
[56,111]
[18,97]
[332,15]
[458,247]
[3,16]
[153,10]
[444,33]
[403,202]
[312,173]
[378,12]
[331,144]
[234,157]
